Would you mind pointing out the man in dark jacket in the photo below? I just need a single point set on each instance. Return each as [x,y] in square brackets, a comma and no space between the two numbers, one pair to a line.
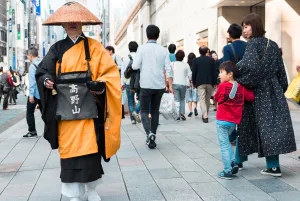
[204,78]
[5,86]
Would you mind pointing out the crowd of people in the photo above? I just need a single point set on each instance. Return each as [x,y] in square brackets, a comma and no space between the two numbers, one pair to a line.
[10,86]
[251,109]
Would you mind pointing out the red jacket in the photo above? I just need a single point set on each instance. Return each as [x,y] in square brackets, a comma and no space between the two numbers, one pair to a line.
[10,81]
[232,109]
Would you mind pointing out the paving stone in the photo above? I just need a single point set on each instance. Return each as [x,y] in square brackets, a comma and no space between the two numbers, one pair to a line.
[165,173]
[210,165]
[177,189]
[197,177]
[287,195]
[209,189]
[272,185]
[145,194]
[53,160]
[246,193]
[220,198]
[5,178]
[48,187]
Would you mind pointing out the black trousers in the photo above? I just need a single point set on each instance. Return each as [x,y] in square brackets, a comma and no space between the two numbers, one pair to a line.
[12,96]
[152,96]
[30,114]
[5,99]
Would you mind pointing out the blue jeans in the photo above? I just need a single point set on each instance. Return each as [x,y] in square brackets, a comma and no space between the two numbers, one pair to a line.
[227,152]
[130,97]
[272,161]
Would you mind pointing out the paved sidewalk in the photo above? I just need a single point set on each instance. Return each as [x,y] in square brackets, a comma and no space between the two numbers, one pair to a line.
[182,168]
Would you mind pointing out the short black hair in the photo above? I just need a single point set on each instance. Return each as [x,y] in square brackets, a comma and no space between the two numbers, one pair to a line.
[1,69]
[33,51]
[172,48]
[235,31]
[180,55]
[110,48]
[213,52]
[229,67]
[203,50]
[152,32]
[133,46]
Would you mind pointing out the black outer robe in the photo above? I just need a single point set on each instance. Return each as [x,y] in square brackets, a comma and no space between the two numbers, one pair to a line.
[266,125]
[81,169]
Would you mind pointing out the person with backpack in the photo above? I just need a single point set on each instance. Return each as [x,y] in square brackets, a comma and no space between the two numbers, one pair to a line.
[34,96]
[126,78]
[234,52]
[5,86]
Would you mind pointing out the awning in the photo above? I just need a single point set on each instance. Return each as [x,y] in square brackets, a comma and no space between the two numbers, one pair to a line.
[222,3]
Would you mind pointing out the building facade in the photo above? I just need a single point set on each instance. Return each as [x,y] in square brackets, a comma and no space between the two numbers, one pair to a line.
[192,23]
[3,33]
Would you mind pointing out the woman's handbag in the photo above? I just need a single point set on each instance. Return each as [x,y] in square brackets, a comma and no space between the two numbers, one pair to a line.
[293,91]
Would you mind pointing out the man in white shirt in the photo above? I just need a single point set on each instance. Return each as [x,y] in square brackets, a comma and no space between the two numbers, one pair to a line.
[152,60]
[134,111]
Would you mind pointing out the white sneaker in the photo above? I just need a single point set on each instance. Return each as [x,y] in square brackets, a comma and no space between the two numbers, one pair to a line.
[136,117]
[133,122]
[75,199]
[93,195]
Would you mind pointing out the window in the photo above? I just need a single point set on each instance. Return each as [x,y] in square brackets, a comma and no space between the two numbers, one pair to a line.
[202,38]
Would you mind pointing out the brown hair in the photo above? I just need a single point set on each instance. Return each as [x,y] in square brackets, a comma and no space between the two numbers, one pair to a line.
[179,55]
[256,24]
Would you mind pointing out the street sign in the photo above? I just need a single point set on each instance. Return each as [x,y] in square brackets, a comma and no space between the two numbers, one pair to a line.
[38,7]
[10,25]
[13,17]
[19,31]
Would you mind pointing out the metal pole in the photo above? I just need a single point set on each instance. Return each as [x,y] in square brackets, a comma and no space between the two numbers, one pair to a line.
[8,32]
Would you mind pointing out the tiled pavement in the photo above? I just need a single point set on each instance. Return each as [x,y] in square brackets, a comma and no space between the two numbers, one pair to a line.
[182,168]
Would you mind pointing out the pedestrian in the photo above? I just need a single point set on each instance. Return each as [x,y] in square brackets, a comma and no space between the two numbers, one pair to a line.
[1,87]
[204,78]
[191,92]
[218,62]
[230,97]
[118,60]
[75,69]
[234,52]
[153,61]
[266,125]
[12,94]
[127,63]
[172,49]
[5,85]
[34,96]
[182,76]
[236,49]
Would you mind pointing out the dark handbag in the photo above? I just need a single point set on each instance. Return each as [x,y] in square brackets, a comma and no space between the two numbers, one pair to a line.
[128,70]
[96,86]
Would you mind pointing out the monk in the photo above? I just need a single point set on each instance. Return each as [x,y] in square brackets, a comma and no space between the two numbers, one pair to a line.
[83,124]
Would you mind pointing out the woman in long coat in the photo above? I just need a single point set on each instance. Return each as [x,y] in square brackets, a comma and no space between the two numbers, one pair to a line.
[266,126]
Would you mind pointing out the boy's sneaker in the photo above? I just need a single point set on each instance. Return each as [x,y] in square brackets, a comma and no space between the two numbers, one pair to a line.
[178,119]
[136,117]
[133,122]
[275,172]
[190,114]
[151,141]
[30,135]
[196,111]
[225,175]
[235,168]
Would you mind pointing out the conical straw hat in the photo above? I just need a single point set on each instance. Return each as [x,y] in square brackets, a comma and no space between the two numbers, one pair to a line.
[72,12]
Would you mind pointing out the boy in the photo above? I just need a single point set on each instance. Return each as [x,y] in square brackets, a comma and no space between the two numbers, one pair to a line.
[230,97]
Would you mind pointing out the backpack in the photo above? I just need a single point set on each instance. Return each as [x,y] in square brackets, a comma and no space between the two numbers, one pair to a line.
[128,70]
[236,57]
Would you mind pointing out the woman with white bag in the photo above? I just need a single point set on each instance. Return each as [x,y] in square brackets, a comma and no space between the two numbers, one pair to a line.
[181,73]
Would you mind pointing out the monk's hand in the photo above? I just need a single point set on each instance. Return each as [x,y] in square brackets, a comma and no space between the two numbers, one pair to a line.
[49,84]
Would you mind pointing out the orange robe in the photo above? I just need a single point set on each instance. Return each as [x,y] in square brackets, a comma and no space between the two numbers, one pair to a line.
[78,137]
